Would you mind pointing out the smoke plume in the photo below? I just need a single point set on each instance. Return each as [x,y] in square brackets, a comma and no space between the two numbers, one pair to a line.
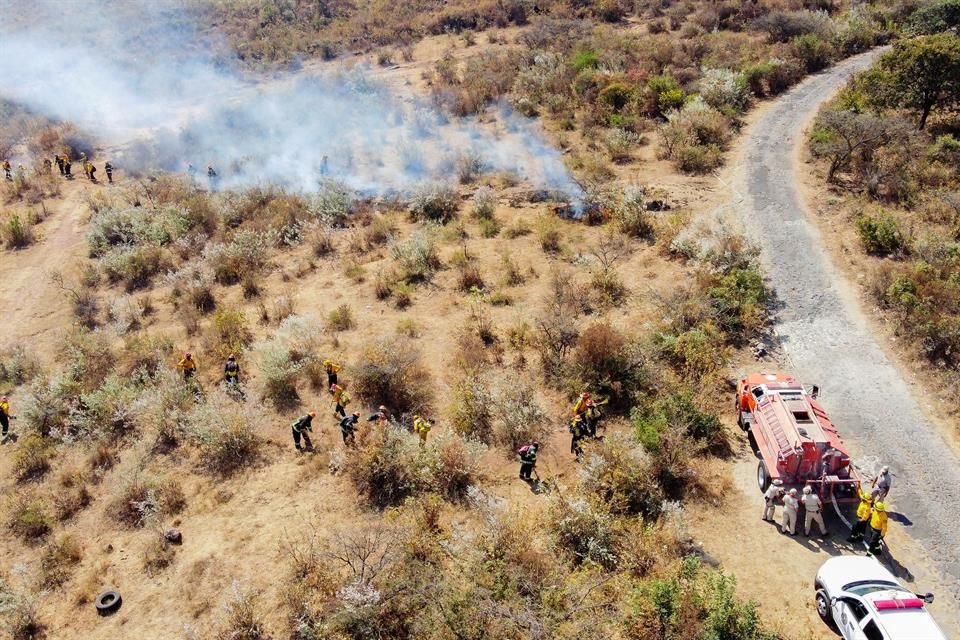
[141,78]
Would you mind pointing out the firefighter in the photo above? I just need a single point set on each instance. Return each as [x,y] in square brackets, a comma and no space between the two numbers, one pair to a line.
[109,169]
[58,159]
[340,400]
[5,415]
[790,506]
[67,164]
[422,428]
[382,416]
[528,460]
[592,416]
[188,366]
[348,428]
[813,508]
[300,429]
[878,527]
[47,166]
[92,172]
[774,493]
[212,178]
[882,484]
[864,510]
[578,430]
[581,406]
[231,370]
[331,368]
[6,170]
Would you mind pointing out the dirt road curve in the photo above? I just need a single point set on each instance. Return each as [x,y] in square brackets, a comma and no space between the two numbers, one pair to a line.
[826,337]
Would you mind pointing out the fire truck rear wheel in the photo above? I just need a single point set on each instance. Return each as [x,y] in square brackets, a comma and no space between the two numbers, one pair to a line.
[763,477]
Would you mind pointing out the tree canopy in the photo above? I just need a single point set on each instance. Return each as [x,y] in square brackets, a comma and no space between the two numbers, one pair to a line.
[922,74]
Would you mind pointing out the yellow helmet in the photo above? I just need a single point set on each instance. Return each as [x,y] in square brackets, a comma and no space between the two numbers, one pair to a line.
[879,506]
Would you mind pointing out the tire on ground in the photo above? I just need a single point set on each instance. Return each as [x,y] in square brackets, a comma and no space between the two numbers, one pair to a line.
[108,602]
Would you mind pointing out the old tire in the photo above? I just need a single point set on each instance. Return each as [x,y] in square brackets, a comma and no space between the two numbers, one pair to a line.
[823,607]
[108,602]
[763,476]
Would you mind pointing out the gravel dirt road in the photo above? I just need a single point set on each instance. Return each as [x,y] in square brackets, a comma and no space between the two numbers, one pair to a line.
[826,337]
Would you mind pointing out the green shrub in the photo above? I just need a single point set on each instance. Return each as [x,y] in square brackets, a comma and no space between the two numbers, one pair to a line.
[17,232]
[677,411]
[18,365]
[284,359]
[417,257]
[549,234]
[619,474]
[696,353]
[231,332]
[341,318]
[631,216]
[141,501]
[225,433]
[587,59]
[739,297]
[32,460]
[434,202]
[484,203]
[773,77]
[814,52]
[661,95]
[936,17]
[783,26]
[29,519]
[881,235]
[472,408]
[725,90]
[585,531]
[390,372]
[134,266]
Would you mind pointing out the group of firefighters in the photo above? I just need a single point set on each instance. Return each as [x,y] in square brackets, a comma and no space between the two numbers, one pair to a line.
[65,165]
[584,424]
[871,524]
[302,427]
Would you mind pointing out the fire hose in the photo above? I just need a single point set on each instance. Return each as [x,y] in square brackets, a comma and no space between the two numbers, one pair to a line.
[836,508]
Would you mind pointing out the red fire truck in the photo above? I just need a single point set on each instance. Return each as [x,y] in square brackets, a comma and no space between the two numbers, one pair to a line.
[796,441]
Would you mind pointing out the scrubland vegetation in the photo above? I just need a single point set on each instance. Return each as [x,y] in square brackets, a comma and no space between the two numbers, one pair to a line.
[889,147]
[486,319]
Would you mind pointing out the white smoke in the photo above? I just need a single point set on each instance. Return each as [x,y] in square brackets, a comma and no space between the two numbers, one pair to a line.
[139,77]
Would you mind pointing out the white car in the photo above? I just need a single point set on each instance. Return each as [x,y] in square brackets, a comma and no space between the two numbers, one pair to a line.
[863,601]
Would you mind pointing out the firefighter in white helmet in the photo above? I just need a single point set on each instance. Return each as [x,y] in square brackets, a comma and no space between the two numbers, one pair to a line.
[814,511]
[790,506]
[774,493]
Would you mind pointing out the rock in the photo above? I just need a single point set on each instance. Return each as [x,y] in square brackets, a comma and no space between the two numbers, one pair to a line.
[173,536]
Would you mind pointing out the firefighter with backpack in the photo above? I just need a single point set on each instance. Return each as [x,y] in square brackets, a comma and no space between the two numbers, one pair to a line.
[422,428]
[578,431]
[528,460]
[340,400]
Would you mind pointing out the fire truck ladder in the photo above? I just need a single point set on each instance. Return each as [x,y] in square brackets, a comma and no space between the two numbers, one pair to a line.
[776,428]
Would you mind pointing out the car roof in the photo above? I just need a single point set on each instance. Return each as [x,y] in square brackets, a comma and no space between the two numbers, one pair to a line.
[844,570]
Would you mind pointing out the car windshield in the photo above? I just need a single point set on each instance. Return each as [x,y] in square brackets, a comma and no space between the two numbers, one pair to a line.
[863,588]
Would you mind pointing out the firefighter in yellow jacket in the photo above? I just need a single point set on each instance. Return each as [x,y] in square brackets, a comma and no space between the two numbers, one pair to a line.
[581,406]
[5,415]
[422,428]
[331,368]
[188,366]
[878,527]
[340,400]
[864,510]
